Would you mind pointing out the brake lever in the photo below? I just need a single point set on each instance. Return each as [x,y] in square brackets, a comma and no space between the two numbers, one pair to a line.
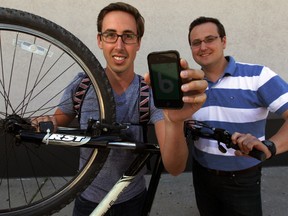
[222,136]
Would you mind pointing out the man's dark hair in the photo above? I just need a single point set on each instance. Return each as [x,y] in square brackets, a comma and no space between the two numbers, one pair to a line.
[202,20]
[121,6]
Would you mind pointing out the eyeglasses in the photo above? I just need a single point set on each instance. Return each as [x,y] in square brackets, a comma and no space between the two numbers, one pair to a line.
[112,37]
[207,40]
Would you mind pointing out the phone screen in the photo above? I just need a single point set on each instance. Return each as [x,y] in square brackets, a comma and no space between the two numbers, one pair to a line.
[164,74]
[164,71]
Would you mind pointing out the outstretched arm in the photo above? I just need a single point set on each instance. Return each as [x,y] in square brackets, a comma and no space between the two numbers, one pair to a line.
[170,132]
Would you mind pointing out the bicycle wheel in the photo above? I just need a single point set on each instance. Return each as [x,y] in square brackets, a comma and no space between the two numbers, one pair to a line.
[38,60]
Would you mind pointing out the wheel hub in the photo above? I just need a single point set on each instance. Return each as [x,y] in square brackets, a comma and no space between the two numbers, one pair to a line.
[13,124]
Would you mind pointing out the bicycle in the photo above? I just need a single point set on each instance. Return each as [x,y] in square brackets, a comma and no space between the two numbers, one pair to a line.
[38,59]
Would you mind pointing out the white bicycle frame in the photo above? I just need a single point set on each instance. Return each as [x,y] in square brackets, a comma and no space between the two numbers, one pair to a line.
[112,196]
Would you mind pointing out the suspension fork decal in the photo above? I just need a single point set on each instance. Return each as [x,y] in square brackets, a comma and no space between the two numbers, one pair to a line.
[64,139]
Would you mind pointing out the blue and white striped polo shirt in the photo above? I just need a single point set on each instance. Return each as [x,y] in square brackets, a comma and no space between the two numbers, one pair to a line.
[239,102]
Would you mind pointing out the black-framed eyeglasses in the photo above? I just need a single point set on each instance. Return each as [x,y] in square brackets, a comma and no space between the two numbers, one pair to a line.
[112,37]
[207,40]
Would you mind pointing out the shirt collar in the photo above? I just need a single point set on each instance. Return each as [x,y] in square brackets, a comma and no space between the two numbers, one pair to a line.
[231,66]
[228,71]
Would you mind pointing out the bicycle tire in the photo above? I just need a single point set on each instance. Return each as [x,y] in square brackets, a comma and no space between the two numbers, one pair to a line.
[38,38]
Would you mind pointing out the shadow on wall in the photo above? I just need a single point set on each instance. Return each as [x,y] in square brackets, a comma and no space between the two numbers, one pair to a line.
[273,124]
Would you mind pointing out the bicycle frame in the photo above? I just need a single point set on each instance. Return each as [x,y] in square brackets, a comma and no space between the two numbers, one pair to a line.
[145,152]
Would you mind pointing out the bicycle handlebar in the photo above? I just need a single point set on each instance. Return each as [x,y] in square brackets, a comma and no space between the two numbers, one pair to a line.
[193,130]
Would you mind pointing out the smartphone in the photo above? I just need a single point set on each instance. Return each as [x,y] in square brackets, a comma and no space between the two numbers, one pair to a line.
[164,70]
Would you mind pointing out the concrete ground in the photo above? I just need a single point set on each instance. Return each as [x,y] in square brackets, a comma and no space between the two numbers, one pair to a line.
[175,195]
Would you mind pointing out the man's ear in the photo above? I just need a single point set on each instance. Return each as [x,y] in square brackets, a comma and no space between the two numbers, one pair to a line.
[99,41]
[224,41]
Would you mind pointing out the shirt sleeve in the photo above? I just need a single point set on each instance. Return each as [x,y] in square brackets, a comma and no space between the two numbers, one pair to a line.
[155,113]
[273,91]
[66,103]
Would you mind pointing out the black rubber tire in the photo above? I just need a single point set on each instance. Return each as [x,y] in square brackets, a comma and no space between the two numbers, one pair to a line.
[30,24]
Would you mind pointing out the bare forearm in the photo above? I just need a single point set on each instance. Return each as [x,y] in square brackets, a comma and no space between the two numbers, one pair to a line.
[175,151]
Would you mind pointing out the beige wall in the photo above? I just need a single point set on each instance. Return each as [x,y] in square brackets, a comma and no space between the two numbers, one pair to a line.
[257,30]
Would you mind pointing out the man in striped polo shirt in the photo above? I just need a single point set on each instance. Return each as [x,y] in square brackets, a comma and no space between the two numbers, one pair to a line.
[239,98]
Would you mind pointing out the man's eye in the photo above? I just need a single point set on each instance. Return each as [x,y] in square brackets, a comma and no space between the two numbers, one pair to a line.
[209,40]
[196,43]
[110,35]
[129,36]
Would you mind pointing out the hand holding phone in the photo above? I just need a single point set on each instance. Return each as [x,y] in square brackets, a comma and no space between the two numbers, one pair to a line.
[164,69]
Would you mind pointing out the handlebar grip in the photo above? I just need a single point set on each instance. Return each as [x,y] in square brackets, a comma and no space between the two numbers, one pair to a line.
[255,153]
